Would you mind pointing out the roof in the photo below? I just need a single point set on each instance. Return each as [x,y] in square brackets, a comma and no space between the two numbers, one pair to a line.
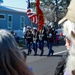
[12,9]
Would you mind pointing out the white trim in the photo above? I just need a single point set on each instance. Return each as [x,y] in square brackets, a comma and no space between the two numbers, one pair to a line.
[11,21]
[22,22]
[2,18]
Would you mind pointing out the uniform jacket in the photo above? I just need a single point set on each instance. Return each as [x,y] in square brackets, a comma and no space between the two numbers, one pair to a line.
[28,36]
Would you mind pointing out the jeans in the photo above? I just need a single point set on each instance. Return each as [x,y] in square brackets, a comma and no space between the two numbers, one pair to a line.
[29,48]
[41,45]
[35,48]
[49,45]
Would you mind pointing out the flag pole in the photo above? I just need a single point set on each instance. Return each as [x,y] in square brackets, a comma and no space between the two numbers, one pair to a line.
[31,24]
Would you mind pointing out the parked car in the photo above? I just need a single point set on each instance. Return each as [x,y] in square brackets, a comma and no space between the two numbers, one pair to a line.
[59,35]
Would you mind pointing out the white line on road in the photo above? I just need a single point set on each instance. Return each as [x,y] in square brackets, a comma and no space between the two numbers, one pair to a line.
[59,52]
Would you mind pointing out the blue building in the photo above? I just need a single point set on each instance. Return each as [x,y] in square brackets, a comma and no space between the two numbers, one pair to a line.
[13,18]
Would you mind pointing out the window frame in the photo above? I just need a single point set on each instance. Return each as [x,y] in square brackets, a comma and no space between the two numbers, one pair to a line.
[22,22]
[9,21]
[2,18]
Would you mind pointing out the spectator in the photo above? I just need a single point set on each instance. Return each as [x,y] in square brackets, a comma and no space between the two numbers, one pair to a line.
[69,32]
[12,32]
[24,29]
[16,37]
[11,58]
[25,57]
[24,33]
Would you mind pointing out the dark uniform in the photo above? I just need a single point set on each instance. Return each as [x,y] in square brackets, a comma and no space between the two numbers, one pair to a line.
[35,41]
[40,42]
[29,39]
[50,42]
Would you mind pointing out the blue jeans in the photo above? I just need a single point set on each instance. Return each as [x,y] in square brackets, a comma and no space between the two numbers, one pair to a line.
[49,45]
[35,48]
[25,42]
[28,46]
[41,45]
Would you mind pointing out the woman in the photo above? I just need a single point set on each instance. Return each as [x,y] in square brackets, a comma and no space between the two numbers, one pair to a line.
[11,58]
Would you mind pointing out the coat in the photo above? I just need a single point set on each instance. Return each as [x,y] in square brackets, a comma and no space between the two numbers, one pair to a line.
[61,64]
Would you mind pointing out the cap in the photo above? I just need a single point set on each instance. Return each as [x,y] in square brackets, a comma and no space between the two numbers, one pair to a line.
[70,13]
[28,27]
[34,28]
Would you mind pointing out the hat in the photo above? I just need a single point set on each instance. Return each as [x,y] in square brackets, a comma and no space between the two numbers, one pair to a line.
[48,25]
[28,27]
[34,28]
[70,13]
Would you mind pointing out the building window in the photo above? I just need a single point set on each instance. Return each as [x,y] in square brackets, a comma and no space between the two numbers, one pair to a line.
[2,16]
[22,20]
[9,21]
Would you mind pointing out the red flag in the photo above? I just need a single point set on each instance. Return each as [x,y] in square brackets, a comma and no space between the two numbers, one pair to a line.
[40,15]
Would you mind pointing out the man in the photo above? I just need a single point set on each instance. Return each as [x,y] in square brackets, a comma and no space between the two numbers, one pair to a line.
[50,41]
[24,32]
[34,46]
[69,32]
[24,29]
[29,39]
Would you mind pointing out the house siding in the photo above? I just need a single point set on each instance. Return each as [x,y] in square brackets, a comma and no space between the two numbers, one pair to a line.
[15,20]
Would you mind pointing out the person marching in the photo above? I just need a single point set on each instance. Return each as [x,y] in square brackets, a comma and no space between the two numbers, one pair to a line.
[35,40]
[40,42]
[44,32]
[50,41]
[28,37]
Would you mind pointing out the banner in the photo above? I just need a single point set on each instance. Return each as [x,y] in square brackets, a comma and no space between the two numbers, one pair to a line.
[40,15]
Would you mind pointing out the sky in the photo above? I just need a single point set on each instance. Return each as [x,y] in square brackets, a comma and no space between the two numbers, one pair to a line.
[15,3]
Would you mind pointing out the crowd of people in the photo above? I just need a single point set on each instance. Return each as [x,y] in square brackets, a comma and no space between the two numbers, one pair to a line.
[37,38]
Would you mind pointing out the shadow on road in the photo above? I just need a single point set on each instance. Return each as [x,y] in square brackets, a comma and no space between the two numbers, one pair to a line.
[46,55]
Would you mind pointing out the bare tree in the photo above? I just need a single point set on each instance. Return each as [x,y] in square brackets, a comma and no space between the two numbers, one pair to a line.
[53,10]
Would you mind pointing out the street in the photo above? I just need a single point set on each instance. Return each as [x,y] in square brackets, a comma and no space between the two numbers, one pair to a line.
[43,65]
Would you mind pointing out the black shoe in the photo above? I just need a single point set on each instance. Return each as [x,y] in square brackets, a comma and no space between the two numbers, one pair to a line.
[35,54]
[41,54]
[48,55]
[52,52]
[28,54]
[30,51]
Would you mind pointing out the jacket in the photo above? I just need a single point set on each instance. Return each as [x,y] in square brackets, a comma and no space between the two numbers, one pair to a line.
[61,64]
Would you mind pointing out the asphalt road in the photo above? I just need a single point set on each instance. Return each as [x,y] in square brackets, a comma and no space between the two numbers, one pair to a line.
[43,65]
